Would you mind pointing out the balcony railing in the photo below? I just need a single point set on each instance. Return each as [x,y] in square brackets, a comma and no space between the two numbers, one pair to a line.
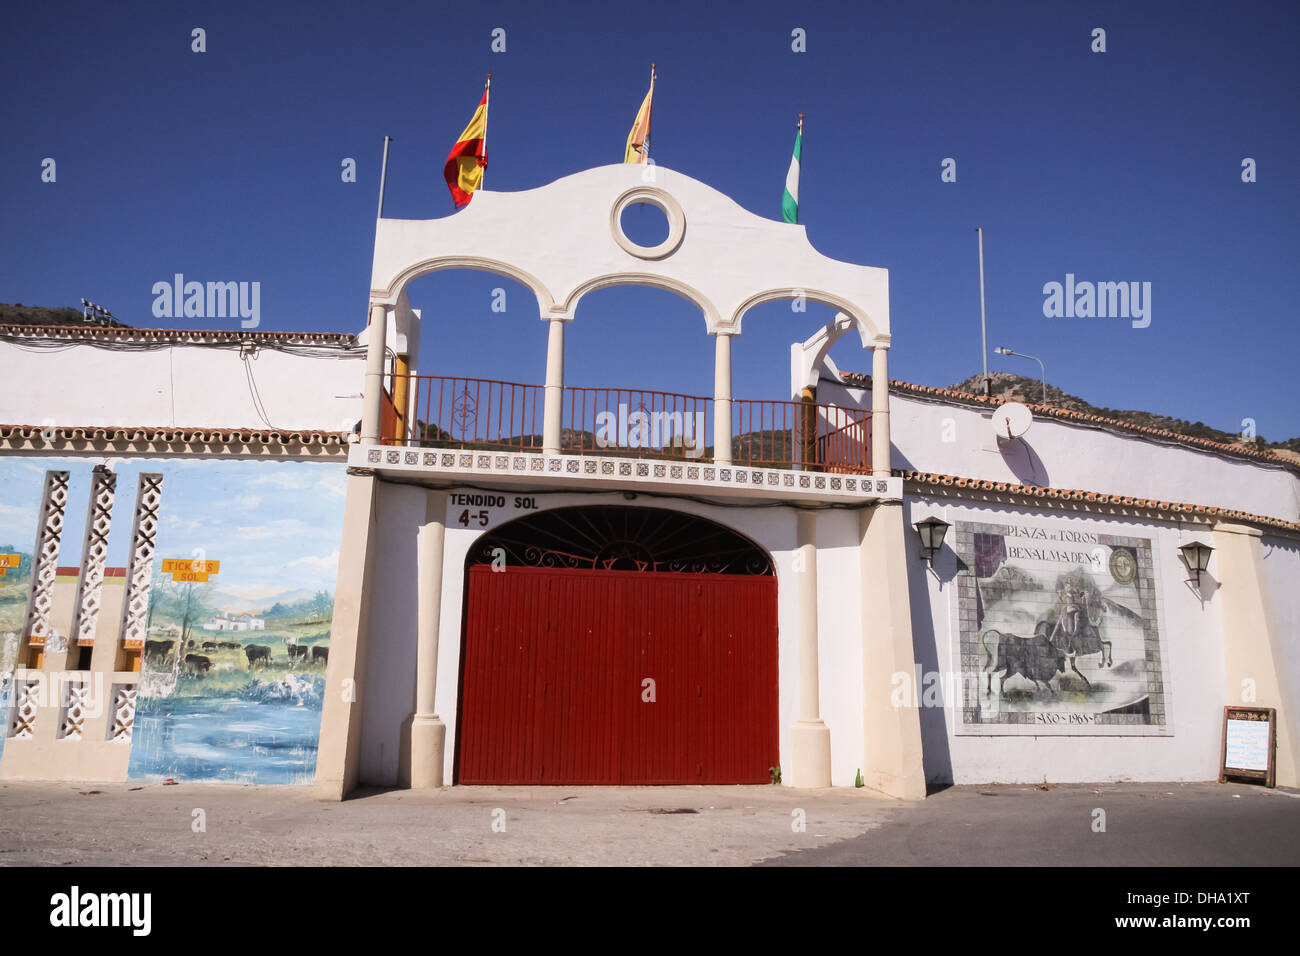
[445,412]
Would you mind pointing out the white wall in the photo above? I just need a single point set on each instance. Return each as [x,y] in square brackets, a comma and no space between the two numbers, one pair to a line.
[179,386]
[388,688]
[839,641]
[391,650]
[1193,671]
[955,439]
[1282,572]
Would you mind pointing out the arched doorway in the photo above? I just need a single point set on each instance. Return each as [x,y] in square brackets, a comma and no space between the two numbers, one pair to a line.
[617,645]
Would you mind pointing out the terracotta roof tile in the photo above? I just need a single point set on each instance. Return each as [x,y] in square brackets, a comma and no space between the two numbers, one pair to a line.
[171,434]
[1096,497]
[346,340]
[861,380]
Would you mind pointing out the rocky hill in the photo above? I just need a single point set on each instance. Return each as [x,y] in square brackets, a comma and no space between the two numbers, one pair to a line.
[19,314]
[1010,387]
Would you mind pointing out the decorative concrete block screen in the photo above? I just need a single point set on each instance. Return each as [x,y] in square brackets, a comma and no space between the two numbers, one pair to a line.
[1059,632]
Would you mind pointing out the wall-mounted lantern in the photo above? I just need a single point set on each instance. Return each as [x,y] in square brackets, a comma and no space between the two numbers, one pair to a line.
[1197,556]
[931,531]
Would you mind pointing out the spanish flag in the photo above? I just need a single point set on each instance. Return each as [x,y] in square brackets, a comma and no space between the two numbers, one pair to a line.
[638,140]
[468,158]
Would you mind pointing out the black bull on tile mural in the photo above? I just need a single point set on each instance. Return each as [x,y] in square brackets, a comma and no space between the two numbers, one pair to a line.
[1075,631]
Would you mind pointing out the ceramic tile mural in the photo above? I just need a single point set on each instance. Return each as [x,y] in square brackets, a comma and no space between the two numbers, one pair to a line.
[1058,631]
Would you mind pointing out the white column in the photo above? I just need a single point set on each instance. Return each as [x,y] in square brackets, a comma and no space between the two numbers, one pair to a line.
[880,411]
[553,408]
[810,738]
[892,759]
[722,398]
[371,414]
[428,732]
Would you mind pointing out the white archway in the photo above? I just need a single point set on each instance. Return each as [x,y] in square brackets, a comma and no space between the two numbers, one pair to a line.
[565,239]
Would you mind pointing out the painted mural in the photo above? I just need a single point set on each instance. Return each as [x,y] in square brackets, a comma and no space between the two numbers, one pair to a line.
[234,664]
[15,582]
[240,606]
[1058,632]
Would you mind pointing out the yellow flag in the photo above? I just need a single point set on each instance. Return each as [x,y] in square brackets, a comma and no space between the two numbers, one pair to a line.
[638,140]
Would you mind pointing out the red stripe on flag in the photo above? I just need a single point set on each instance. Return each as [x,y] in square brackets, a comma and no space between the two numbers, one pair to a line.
[467,149]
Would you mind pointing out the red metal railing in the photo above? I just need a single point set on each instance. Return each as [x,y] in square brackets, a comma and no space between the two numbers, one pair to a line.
[473,413]
[636,422]
[640,423]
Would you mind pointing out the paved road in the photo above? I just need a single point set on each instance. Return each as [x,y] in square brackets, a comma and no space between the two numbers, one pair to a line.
[1205,824]
[129,824]
[125,824]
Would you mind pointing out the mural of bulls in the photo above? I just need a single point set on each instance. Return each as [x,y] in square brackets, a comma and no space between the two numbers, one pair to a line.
[1031,657]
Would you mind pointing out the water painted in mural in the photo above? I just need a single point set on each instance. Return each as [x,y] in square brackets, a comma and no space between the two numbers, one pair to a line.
[1059,632]
[234,665]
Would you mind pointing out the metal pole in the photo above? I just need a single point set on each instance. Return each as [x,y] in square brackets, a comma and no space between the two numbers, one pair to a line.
[383,174]
[1042,368]
[649,119]
[984,339]
[487,107]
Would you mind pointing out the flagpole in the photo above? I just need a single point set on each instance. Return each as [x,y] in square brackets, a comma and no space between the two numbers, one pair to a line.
[487,104]
[649,113]
[984,335]
[383,175]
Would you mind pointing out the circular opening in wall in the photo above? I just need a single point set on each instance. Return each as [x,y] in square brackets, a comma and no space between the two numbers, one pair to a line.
[647,222]
[644,224]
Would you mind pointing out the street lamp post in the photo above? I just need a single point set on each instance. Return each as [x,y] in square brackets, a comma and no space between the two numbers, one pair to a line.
[1006,351]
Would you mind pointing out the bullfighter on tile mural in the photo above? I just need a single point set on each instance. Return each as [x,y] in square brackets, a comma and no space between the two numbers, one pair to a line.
[1059,632]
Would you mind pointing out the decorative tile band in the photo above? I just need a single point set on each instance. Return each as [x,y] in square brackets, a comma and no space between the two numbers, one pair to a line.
[604,470]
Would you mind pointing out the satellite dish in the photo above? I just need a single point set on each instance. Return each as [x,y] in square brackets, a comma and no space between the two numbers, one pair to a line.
[1012,420]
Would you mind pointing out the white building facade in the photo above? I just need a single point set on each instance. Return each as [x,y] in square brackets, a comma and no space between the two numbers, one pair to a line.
[707,591]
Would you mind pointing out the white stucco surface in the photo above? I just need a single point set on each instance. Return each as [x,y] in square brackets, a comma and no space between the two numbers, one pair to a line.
[562,241]
[389,695]
[954,439]
[180,386]
[1282,574]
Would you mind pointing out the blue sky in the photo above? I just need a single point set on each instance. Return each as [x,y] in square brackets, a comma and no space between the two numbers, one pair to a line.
[274,526]
[1120,166]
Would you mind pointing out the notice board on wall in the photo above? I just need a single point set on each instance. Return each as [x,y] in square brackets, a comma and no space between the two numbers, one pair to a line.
[1249,745]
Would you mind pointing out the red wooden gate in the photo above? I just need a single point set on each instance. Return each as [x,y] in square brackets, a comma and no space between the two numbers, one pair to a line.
[553,677]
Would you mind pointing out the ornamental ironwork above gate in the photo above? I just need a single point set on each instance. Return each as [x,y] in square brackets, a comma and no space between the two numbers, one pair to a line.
[615,538]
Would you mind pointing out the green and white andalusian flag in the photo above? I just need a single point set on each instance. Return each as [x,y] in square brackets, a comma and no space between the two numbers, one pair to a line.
[790,201]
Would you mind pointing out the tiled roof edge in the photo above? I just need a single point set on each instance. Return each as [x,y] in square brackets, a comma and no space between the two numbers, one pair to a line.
[1174,508]
[145,433]
[176,335]
[859,380]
